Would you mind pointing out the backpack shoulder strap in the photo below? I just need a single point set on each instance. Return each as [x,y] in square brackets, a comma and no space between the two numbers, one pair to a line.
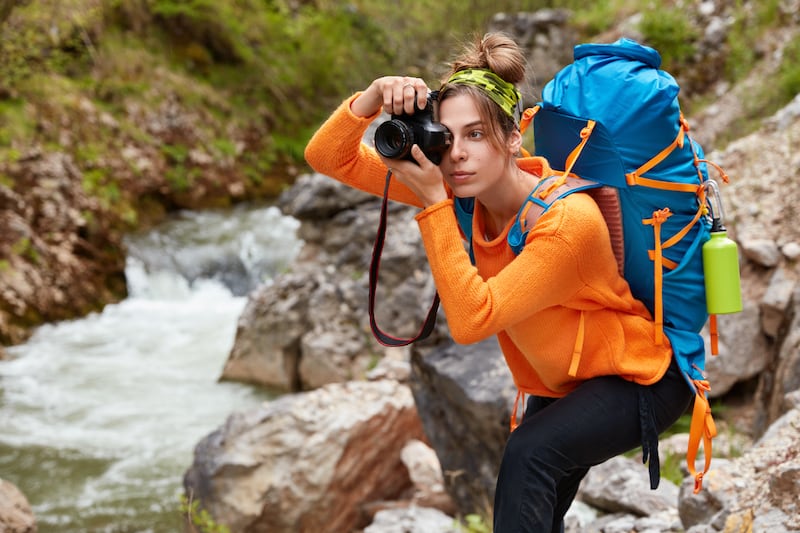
[553,188]
[606,197]
[465,209]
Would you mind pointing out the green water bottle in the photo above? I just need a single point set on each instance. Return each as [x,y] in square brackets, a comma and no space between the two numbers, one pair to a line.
[721,267]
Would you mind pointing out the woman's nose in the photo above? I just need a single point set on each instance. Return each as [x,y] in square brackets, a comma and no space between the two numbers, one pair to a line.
[456,152]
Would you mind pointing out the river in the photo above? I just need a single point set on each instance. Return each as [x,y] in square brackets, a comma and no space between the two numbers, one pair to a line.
[99,416]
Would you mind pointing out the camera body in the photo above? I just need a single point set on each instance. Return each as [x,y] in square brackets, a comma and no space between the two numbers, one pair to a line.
[395,137]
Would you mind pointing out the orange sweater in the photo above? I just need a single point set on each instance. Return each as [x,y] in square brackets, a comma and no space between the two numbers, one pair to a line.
[560,310]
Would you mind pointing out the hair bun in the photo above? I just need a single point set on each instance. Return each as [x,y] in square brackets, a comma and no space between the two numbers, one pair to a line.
[497,52]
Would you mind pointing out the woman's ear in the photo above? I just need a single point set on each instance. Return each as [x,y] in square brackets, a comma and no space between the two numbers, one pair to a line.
[514,142]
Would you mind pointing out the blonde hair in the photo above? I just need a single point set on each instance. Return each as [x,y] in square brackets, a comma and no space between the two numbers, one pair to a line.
[499,53]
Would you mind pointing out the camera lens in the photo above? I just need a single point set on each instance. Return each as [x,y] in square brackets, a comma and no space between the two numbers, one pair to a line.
[393,139]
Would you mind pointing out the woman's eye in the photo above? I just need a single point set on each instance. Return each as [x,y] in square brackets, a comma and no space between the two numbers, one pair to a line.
[475,134]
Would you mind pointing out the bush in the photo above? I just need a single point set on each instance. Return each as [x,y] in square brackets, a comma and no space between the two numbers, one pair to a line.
[669,31]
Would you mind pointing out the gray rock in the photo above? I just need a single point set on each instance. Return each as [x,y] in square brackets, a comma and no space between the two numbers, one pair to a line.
[464,395]
[621,485]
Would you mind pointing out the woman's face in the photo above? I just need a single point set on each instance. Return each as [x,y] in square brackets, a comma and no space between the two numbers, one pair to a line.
[472,165]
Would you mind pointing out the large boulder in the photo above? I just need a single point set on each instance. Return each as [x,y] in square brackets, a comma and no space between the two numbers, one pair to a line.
[307,462]
[464,394]
[311,325]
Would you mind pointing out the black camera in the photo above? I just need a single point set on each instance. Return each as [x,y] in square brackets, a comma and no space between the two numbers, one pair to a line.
[394,138]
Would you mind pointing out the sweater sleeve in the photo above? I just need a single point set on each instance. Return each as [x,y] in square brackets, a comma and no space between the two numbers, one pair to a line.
[546,273]
[337,150]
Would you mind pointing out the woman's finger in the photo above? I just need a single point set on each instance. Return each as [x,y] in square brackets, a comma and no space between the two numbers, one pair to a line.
[400,93]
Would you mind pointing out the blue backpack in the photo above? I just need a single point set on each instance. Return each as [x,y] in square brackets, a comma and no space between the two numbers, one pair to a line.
[611,125]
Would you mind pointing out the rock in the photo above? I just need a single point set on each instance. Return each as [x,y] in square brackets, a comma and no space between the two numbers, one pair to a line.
[61,255]
[307,462]
[791,251]
[622,485]
[761,485]
[744,350]
[776,301]
[423,466]
[412,520]
[311,326]
[464,395]
[579,516]
[763,252]
[780,387]
[267,345]
[16,515]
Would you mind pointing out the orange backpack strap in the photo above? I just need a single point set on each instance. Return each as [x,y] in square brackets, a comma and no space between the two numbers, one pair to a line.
[713,332]
[635,177]
[527,117]
[524,122]
[659,217]
[702,428]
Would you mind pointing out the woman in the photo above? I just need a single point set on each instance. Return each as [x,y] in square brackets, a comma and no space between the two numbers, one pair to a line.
[572,334]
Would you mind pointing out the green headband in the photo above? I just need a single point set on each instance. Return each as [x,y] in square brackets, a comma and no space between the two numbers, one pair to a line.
[499,90]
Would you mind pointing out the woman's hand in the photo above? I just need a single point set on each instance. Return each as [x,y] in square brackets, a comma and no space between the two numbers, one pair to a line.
[423,178]
[397,95]
[394,94]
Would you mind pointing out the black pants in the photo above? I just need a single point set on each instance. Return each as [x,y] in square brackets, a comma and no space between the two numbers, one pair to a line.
[558,440]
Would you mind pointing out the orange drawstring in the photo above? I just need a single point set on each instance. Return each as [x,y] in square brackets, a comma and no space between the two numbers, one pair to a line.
[520,397]
[659,217]
[578,349]
[702,427]
[722,173]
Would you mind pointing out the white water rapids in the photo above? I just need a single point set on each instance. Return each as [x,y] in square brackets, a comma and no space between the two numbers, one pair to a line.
[99,416]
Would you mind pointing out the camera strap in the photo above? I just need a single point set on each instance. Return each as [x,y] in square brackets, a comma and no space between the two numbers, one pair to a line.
[430,320]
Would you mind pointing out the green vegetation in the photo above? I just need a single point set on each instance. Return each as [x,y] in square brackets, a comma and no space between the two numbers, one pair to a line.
[593,18]
[25,248]
[750,21]
[788,78]
[257,76]
[199,520]
[767,98]
[668,30]
[474,523]
[671,468]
